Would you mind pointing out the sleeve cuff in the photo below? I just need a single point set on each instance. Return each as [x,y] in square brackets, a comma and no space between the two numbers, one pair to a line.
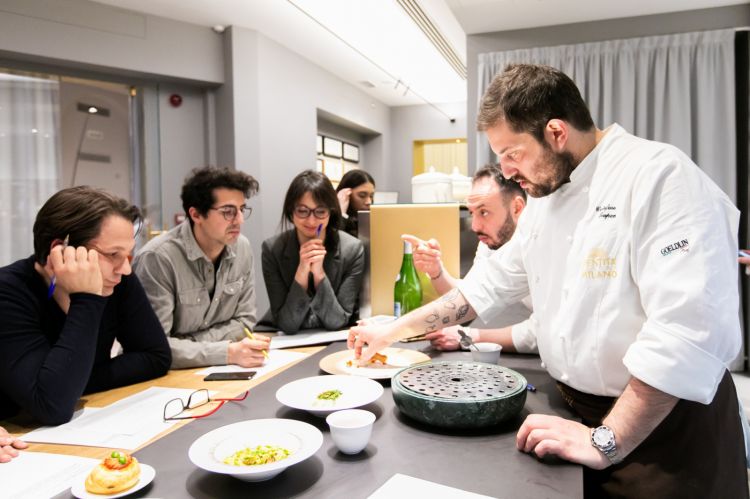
[673,365]
[523,337]
[199,354]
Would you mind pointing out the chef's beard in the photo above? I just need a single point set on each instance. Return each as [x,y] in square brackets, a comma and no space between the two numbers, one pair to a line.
[503,235]
[553,169]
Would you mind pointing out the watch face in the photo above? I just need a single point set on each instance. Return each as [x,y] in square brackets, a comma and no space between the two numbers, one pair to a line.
[602,437]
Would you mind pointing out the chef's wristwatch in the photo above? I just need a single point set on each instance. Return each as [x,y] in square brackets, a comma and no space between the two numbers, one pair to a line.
[603,438]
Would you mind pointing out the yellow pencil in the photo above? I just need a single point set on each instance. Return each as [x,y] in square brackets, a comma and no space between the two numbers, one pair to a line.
[250,335]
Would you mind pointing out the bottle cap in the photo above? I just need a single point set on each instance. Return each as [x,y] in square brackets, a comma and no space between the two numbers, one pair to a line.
[407,248]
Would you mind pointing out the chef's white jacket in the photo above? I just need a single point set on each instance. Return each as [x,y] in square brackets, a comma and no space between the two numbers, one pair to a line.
[632,271]
[518,315]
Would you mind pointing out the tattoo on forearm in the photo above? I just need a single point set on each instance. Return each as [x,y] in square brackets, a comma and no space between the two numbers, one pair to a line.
[441,314]
[449,297]
[462,311]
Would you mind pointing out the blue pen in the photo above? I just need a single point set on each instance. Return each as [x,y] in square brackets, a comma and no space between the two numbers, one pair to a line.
[53,282]
[318,230]
[743,253]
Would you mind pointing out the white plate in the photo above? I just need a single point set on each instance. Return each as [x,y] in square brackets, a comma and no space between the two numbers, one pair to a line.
[397,359]
[79,487]
[303,393]
[209,451]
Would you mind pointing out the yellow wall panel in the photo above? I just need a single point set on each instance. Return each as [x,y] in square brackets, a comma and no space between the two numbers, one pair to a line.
[387,223]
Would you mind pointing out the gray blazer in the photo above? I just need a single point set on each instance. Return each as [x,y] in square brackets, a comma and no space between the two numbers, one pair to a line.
[333,305]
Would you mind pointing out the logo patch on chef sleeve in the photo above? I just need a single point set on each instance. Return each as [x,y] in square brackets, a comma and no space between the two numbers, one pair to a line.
[682,246]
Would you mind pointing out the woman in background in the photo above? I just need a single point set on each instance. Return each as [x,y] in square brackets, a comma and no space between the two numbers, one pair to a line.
[312,270]
[355,192]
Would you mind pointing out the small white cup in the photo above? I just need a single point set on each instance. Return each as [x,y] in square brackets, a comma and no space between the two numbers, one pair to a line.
[486,352]
[351,429]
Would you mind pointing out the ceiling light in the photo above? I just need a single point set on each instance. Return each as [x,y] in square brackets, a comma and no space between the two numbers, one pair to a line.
[93,110]
[433,33]
[406,52]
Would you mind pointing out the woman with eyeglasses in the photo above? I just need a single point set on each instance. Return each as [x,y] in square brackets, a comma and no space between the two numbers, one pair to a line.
[313,271]
[355,193]
[62,308]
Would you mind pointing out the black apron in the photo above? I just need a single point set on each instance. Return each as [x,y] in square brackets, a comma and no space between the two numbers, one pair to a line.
[697,451]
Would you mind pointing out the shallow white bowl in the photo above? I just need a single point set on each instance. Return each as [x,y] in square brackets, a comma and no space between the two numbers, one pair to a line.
[303,393]
[209,451]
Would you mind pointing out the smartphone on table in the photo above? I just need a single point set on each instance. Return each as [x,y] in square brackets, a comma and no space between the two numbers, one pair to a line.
[235,376]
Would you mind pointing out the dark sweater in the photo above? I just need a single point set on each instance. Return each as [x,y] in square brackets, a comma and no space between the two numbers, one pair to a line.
[49,359]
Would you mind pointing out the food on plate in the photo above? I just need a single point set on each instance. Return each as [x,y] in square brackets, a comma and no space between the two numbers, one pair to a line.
[262,454]
[378,357]
[330,395]
[117,472]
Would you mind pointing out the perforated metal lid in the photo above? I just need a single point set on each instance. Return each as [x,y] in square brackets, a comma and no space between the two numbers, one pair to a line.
[470,381]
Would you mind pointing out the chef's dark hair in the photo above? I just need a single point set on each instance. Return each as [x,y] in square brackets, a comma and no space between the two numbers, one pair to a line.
[528,96]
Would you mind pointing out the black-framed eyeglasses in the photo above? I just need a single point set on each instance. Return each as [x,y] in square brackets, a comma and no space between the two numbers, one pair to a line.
[303,212]
[200,398]
[229,211]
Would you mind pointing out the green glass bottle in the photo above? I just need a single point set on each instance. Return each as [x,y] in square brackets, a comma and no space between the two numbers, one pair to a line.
[407,293]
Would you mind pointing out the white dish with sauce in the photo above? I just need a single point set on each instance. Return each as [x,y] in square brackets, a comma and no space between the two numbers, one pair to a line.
[302,440]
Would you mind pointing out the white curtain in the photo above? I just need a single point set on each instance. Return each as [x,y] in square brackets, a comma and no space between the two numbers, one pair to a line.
[677,89]
[30,161]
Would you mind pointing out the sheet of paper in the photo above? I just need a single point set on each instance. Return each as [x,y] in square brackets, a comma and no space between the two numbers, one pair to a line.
[310,337]
[319,336]
[406,486]
[275,360]
[126,424]
[35,475]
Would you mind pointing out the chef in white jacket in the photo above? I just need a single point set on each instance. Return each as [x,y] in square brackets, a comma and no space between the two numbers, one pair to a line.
[629,256]
[495,204]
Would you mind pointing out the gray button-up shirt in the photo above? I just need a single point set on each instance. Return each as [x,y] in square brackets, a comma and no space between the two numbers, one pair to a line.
[179,278]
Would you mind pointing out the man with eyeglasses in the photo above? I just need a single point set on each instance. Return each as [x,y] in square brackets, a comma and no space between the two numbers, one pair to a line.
[62,309]
[199,276]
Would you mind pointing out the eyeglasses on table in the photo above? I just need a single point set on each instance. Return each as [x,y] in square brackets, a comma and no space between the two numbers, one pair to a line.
[174,408]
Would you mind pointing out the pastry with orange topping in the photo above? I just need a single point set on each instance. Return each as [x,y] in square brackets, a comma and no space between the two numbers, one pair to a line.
[117,472]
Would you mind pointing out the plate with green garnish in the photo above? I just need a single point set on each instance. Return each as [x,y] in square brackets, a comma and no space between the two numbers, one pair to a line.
[322,395]
[255,450]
